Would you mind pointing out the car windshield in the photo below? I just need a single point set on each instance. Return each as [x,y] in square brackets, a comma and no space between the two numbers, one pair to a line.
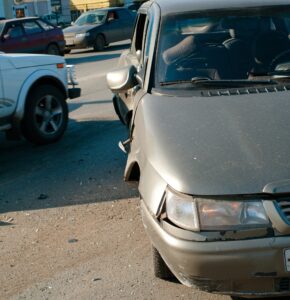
[223,46]
[91,18]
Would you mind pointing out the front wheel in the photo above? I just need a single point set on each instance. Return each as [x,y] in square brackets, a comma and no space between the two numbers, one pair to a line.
[100,43]
[159,266]
[52,49]
[46,115]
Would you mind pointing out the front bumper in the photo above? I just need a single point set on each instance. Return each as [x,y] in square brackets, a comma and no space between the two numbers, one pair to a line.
[250,268]
[74,92]
[77,43]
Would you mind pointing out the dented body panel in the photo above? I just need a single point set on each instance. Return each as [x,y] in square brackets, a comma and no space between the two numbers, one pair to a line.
[225,265]
[209,144]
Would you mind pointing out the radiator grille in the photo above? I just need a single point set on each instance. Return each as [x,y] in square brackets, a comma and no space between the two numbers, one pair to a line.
[282,285]
[283,205]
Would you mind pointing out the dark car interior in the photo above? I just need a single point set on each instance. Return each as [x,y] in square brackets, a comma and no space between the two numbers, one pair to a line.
[230,48]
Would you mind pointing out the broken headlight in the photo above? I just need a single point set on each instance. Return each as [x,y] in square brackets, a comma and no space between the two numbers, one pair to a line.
[231,214]
[181,210]
[208,214]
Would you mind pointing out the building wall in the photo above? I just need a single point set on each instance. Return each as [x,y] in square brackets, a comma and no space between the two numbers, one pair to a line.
[29,7]
[62,8]
[9,8]
[2,11]
[77,7]
[93,4]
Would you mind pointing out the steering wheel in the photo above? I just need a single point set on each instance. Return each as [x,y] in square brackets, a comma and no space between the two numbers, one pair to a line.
[281,57]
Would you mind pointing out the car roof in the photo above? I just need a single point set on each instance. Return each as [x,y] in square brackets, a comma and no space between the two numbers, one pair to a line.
[18,19]
[173,6]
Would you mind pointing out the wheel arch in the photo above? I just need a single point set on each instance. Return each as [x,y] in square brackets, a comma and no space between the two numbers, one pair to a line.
[103,35]
[132,172]
[52,43]
[36,79]
[47,80]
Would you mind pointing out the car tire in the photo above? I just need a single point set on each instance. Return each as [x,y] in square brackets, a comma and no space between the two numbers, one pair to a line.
[100,43]
[52,49]
[159,266]
[46,115]
[117,111]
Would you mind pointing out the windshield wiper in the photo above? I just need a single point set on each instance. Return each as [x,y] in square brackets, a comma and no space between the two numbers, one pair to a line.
[164,83]
[227,83]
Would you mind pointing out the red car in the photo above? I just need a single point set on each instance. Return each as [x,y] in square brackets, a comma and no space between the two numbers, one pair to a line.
[31,35]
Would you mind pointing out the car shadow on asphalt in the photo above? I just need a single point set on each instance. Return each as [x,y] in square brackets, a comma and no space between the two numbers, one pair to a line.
[113,47]
[85,166]
[77,104]
[87,59]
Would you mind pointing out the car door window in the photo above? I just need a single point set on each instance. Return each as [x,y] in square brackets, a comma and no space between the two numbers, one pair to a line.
[14,31]
[124,15]
[31,28]
[142,39]
[112,16]
[45,25]
[139,34]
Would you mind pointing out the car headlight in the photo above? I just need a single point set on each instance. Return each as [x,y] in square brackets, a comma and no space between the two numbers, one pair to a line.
[209,214]
[71,75]
[181,210]
[231,214]
[82,35]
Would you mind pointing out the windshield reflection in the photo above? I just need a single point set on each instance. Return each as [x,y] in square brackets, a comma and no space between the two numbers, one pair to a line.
[90,18]
[243,45]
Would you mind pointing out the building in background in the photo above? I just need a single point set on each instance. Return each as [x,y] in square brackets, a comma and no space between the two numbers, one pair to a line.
[65,10]
[2,11]
[28,8]
[77,7]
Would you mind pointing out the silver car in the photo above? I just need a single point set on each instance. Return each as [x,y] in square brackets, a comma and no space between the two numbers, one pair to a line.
[204,91]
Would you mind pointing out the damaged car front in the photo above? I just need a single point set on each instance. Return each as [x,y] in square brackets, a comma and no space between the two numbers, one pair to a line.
[209,141]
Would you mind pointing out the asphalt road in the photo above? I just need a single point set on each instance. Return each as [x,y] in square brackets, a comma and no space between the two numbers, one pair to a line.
[70,228]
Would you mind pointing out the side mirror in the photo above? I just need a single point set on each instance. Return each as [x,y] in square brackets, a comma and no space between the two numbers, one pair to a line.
[122,79]
[6,37]
[72,23]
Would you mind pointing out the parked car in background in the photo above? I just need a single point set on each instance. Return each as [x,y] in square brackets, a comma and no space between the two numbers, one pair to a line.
[204,91]
[57,20]
[33,93]
[31,35]
[98,28]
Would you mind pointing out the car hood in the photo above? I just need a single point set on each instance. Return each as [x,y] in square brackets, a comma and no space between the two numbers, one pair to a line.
[79,29]
[33,60]
[218,145]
